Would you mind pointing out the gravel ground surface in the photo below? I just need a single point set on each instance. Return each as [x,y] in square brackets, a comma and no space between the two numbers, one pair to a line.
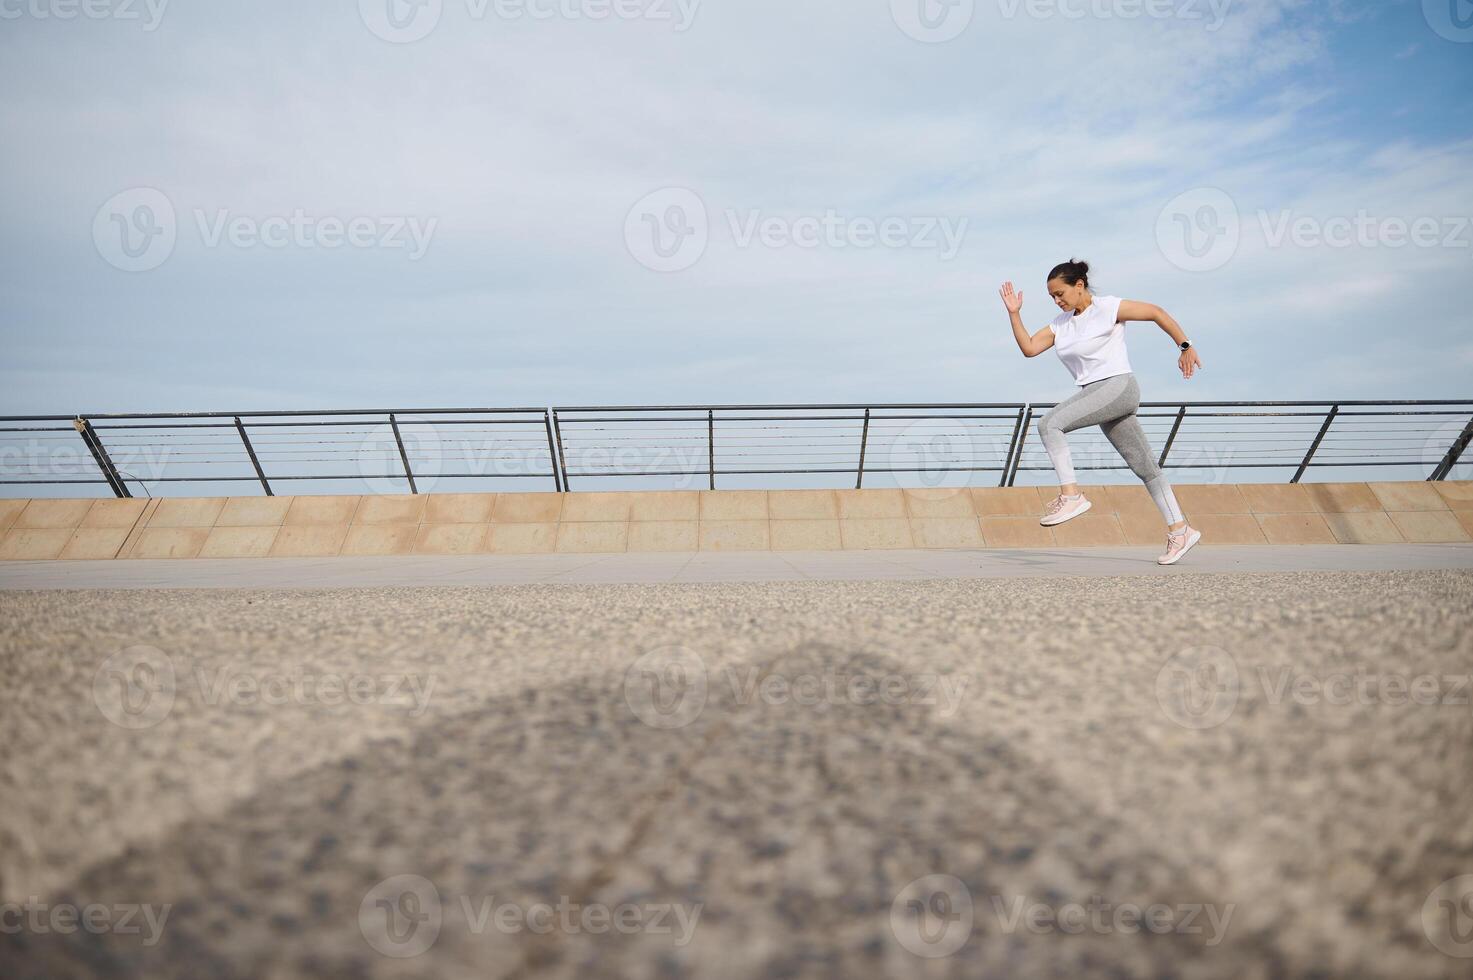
[1225,775]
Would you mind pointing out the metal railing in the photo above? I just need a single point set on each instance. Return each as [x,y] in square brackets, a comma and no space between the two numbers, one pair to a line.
[391,450]
[399,450]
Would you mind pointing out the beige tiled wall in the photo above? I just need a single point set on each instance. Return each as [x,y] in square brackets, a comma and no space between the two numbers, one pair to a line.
[723,520]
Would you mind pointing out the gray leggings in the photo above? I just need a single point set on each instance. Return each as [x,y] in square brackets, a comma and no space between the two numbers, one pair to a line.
[1111,404]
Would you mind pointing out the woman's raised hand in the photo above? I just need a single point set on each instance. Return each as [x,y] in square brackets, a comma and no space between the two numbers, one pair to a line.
[1189,362]
[1013,301]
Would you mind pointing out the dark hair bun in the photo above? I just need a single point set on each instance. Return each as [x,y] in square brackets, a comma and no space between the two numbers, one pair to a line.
[1073,271]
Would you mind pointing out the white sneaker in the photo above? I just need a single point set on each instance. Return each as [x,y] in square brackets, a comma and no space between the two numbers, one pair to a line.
[1061,509]
[1179,543]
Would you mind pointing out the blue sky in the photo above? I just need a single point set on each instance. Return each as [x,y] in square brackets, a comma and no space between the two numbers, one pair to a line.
[531,153]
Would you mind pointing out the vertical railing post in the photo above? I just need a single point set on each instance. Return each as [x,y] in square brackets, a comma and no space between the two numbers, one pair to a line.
[1454,452]
[863,441]
[99,454]
[1334,410]
[403,456]
[1022,440]
[551,451]
[562,456]
[711,443]
[1175,427]
[251,452]
[1007,464]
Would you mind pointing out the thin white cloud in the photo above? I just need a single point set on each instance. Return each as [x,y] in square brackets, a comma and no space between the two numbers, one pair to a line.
[529,143]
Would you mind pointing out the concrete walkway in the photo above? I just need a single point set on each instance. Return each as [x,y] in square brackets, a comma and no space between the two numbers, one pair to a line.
[674,567]
[950,777]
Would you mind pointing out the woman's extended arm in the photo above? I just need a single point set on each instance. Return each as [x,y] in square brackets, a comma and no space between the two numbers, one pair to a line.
[1030,346]
[1131,309]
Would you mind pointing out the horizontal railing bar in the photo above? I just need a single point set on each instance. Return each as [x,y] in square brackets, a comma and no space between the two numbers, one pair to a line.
[860,418]
[262,415]
[52,482]
[848,470]
[922,469]
[1175,404]
[275,478]
[693,419]
[1236,466]
[300,425]
[304,413]
[881,418]
[779,418]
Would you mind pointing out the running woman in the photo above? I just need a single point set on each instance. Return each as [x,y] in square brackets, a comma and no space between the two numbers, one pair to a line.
[1090,337]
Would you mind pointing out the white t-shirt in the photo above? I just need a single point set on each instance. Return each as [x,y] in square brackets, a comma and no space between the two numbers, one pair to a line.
[1092,344]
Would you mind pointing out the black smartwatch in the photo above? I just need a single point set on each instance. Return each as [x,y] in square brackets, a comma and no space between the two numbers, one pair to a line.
[1186,344]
